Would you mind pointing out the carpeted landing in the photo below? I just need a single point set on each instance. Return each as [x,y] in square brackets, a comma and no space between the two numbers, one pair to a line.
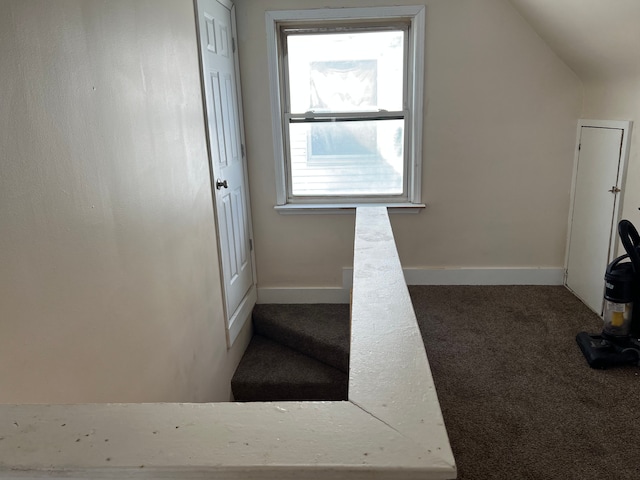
[298,352]
[518,399]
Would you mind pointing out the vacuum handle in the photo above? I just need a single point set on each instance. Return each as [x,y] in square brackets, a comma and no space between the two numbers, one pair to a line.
[631,242]
[616,261]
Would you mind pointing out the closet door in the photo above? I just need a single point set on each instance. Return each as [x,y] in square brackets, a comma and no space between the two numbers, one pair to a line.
[594,218]
[226,155]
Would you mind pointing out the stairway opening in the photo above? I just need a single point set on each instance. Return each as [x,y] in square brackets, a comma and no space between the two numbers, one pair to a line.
[298,353]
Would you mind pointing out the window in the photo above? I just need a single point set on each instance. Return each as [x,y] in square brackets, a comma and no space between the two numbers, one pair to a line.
[347,104]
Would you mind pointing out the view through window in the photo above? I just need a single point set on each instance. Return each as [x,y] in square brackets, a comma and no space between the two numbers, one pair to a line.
[346,116]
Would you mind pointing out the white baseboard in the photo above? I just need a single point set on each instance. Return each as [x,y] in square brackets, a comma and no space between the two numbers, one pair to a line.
[419,276]
[475,276]
[304,295]
[485,276]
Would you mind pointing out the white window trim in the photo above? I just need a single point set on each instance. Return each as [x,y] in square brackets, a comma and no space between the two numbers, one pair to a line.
[416,16]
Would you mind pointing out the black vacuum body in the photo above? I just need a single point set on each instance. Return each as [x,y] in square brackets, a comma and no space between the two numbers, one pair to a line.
[619,295]
[618,344]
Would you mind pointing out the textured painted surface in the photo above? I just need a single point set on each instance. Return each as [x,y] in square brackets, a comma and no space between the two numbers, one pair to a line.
[109,283]
[389,372]
[620,99]
[597,39]
[499,132]
[268,440]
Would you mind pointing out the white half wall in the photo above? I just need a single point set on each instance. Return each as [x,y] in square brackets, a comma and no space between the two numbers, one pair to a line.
[391,426]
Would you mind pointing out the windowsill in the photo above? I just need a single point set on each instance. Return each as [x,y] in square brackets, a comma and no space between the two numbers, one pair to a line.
[344,208]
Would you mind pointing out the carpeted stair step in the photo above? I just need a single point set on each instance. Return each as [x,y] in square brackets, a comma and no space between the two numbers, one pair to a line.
[270,372]
[320,331]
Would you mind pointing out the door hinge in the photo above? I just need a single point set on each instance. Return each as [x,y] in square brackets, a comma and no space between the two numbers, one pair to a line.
[579,146]
[233,45]
[242,149]
[250,245]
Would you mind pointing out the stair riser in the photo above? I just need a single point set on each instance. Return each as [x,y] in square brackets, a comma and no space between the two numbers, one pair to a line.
[288,393]
[270,371]
[321,332]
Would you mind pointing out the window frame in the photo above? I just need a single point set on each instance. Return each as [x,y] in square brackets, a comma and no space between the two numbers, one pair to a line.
[414,16]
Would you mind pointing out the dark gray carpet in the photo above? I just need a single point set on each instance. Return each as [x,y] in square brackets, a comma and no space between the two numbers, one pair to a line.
[518,399]
[270,371]
[321,331]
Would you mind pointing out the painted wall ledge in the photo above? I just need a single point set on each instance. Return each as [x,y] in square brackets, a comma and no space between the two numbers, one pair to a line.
[391,427]
[344,208]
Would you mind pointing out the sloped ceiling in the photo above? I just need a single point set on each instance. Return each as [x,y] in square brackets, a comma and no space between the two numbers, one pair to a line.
[598,39]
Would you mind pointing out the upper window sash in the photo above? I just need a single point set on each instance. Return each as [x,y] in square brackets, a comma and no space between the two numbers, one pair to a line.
[340,27]
[317,117]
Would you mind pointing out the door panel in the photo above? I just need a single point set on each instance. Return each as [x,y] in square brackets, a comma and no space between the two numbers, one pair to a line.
[227,164]
[593,213]
[217,133]
[232,133]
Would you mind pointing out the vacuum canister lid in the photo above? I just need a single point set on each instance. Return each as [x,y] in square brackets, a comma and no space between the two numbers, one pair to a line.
[619,282]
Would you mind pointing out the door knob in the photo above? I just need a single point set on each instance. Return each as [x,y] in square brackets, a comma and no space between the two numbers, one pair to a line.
[614,189]
[220,184]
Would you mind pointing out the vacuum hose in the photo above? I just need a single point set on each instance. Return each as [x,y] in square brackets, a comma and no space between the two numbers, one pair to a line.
[631,242]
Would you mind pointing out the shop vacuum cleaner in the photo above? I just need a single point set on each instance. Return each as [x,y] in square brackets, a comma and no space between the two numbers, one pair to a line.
[619,341]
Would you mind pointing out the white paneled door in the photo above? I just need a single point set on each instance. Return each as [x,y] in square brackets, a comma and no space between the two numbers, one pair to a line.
[597,191]
[226,152]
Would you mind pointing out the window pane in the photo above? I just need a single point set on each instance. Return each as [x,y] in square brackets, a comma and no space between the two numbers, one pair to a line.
[347,158]
[346,71]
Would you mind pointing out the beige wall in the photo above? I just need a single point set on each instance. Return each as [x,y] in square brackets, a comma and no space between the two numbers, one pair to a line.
[109,282]
[619,99]
[599,40]
[501,112]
